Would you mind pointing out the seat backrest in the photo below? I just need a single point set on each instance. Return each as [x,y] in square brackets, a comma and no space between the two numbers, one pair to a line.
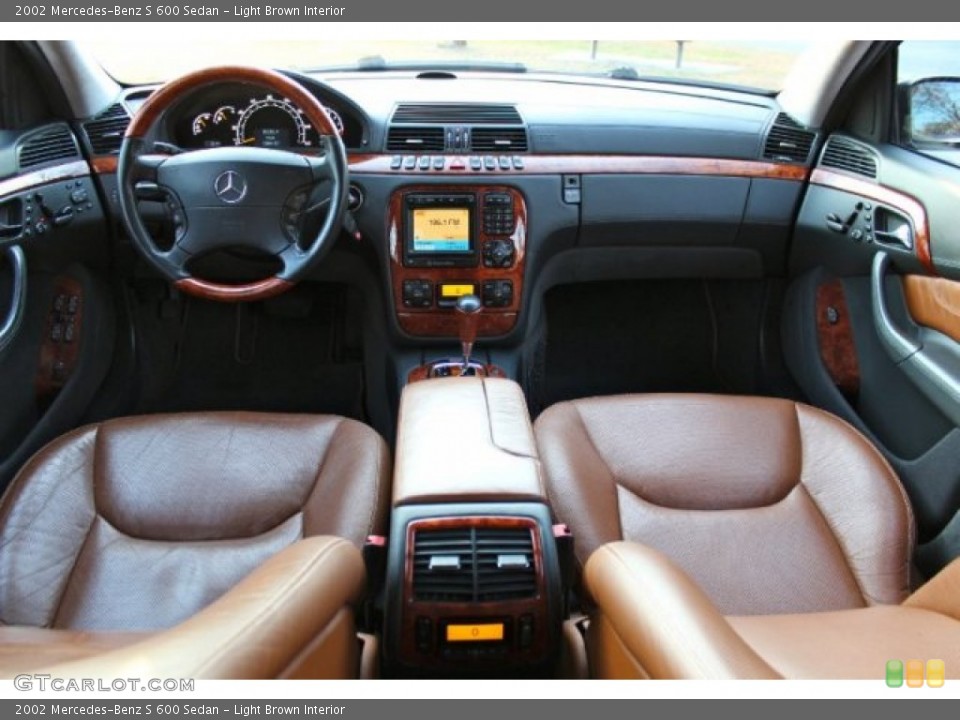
[771,506]
[136,524]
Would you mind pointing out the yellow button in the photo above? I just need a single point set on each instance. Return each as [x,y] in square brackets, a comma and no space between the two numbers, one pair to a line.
[474,633]
[455,290]
[936,672]
[914,673]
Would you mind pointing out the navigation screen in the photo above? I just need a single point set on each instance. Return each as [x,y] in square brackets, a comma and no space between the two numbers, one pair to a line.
[441,230]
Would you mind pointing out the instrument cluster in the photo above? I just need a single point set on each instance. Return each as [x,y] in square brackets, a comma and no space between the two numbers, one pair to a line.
[247,118]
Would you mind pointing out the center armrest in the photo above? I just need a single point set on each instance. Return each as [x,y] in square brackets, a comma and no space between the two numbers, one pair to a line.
[465,439]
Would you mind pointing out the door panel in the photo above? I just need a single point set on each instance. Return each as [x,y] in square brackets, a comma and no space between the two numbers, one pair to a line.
[891,240]
[57,312]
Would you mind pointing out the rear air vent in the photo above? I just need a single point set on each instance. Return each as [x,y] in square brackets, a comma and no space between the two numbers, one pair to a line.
[105,131]
[48,145]
[474,564]
[456,113]
[415,139]
[499,140]
[842,153]
[788,141]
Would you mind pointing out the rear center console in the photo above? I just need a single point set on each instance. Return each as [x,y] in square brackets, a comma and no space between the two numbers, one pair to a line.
[452,240]
[474,583]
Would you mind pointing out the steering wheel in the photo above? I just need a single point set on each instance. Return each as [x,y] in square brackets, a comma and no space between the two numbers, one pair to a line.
[233,197]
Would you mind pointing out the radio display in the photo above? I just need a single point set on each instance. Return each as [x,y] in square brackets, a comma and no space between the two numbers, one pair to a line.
[441,230]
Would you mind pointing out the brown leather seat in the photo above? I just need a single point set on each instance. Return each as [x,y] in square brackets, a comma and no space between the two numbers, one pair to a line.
[653,621]
[122,529]
[769,505]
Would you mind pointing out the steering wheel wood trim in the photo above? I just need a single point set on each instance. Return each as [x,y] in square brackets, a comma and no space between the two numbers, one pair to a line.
[259,290]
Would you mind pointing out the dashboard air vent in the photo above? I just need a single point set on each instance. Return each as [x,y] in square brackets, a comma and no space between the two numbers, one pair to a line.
[845,154]
[105,131]
[456,113]
[415,139]
[788,141]
[499,140]
[48,145]
[474,564]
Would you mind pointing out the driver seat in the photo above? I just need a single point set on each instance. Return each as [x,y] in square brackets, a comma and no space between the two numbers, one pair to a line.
[217,545]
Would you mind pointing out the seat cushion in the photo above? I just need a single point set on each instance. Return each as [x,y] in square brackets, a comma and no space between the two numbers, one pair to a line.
[135,524]
[770,505]
[25,649]
[653,621]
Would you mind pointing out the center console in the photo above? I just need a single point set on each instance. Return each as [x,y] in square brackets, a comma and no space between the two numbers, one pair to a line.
[474,581]
[447,241]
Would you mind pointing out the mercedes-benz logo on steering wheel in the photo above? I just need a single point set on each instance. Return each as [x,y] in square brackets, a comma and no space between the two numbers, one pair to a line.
[230,187]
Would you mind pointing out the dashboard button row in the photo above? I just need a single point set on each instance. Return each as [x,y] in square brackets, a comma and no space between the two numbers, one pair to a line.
[476,163]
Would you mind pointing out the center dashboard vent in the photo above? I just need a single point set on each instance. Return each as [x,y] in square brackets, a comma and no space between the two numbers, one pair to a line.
[456,128]
[48,145]
[415,139]
[474,564]
[842,153]
[499,140]
[788,141]
[105,131]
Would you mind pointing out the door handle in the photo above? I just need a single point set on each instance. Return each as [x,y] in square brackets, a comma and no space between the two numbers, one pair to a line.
[11,325]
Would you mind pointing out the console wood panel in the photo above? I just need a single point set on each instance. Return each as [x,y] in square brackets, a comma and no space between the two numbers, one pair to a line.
[835,336]
[422,372]
[436,322]
[441,612]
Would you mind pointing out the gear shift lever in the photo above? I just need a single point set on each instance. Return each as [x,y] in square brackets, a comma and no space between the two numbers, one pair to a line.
[468,310]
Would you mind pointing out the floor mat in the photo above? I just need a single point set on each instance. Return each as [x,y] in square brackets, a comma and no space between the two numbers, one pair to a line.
[651,336]
[290,354]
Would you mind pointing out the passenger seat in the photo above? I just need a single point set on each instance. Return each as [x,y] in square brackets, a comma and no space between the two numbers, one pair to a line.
[770,506]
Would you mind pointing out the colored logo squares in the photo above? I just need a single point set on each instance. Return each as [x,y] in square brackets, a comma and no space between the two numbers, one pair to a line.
[913,673]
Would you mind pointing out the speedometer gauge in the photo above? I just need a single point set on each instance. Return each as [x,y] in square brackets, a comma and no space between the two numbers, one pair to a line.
[271,123]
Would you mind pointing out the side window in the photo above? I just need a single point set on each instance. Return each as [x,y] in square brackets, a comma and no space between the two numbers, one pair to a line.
[928,98]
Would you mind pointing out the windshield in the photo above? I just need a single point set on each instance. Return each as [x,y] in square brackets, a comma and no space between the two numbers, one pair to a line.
[761,65]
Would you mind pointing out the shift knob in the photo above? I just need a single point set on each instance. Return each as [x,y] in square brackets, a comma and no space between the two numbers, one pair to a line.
[468,312]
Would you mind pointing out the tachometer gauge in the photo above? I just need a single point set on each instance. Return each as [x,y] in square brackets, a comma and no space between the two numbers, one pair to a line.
[272,123]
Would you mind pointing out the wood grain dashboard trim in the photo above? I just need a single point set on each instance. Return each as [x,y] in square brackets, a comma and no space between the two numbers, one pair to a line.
[934,303]
[907,204]
[370,164]
[592,164]
[66,171]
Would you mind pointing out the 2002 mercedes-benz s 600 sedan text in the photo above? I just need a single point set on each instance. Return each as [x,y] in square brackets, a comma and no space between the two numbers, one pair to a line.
[479,359]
